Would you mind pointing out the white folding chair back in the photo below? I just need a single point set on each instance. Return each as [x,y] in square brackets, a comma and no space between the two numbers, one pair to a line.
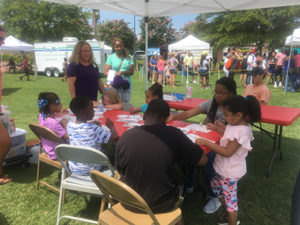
[80,183]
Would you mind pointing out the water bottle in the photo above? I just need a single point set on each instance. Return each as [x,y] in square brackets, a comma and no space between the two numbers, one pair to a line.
[189,92]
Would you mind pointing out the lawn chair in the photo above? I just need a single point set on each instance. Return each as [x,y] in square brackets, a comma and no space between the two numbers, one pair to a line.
[44,132]
[114,189]
[76,182]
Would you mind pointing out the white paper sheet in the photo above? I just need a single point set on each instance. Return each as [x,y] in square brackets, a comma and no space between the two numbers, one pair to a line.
[110,76]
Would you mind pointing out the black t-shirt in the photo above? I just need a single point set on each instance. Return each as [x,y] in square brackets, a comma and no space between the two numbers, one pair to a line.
[145,157]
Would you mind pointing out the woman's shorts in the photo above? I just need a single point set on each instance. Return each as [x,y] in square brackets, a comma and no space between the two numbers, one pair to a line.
[271,70]
[160,72]
[203,73]
[153,69]
[173,71]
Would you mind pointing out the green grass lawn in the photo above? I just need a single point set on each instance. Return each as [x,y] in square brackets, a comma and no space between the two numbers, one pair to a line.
[262,201]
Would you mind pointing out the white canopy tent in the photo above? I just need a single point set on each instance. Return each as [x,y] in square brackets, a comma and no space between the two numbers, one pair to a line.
[291,40]
[156,8]
[13,45]
[107,49]
[294,39]
[189,43]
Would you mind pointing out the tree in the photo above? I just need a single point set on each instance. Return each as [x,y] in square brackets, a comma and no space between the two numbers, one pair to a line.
[116,28]
[160,31]
[34,20]
[260,26]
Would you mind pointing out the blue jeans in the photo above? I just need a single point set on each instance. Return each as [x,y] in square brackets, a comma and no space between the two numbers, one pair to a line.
[248,80]
[207,170]
[125,95]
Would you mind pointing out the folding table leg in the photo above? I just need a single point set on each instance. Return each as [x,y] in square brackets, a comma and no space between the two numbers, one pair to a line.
[274,153]
[279,142]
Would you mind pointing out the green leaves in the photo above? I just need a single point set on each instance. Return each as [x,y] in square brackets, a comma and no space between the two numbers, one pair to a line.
[116,28]
[33,20]
[160,31]
[259,26]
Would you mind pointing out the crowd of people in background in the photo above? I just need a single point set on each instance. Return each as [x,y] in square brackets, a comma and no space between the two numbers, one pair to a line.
[276,67]
[281,67]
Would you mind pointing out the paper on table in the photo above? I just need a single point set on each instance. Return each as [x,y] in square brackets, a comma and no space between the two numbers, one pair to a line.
[193,138]
[132,124]
[110,76]
[197,127]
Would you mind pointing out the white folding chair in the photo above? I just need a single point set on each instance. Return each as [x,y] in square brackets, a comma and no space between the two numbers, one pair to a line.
[79,183]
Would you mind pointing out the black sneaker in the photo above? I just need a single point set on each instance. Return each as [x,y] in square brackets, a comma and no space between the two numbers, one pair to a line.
[21,78]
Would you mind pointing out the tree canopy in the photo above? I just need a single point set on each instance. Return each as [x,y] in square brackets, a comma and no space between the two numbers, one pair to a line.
[260,26]
[116,28]
[34,20]
[160,31]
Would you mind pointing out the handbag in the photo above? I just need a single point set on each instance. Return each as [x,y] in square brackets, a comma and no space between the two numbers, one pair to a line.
[119,81]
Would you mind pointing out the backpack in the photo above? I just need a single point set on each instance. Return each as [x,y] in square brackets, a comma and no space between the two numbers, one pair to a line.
[228,64]
[245,63]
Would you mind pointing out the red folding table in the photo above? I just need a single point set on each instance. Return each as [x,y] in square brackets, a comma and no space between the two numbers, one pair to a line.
[120,128]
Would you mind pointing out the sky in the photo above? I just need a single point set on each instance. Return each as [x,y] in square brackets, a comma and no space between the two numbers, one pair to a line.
[178,21]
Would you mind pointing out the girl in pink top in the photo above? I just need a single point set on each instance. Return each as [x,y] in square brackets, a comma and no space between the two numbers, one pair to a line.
[49,104]
[230,162]
[160,68]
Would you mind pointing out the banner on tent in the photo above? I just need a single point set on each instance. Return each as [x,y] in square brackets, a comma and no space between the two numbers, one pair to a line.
[152,50]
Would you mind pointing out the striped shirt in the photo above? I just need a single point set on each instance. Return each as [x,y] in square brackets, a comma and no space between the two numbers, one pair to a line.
[89,135]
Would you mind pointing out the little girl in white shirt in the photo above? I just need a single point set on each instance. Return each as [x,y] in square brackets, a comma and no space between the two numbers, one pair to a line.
[230,162]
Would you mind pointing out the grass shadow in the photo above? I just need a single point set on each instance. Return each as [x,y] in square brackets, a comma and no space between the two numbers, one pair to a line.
[23,175]
[8,91]
[3,220]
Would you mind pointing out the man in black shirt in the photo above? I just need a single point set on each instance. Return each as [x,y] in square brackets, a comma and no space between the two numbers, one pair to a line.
[145,157]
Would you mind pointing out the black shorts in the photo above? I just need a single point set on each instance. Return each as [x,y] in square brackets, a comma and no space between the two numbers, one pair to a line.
[26,71]
[173,71]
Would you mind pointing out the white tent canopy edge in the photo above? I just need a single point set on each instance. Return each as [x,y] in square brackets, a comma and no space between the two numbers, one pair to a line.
[157,8]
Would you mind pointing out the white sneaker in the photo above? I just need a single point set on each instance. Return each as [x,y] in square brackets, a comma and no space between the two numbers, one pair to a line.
[195,82]
[280,84]
[212,205]
[275,84]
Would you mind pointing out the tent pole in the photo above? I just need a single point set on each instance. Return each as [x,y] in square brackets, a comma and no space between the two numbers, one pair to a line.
[146,50]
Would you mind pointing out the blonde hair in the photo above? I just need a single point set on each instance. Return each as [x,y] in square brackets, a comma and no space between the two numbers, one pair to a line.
[75,57]
[113,96]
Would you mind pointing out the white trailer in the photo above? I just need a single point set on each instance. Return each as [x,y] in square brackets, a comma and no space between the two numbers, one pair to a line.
[49,56]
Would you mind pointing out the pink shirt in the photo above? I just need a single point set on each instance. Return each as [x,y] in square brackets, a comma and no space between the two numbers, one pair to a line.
[57,128]
[297,60]
[280,56]
[160,65]
[260,92]
[235,165]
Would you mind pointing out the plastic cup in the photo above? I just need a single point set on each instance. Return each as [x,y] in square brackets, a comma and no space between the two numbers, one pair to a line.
[189,92]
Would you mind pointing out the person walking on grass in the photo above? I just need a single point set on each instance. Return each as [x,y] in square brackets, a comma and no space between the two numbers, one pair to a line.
[173,63]
[26,68]
[230,161]
[188,63]
[203,71]
[279,65]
